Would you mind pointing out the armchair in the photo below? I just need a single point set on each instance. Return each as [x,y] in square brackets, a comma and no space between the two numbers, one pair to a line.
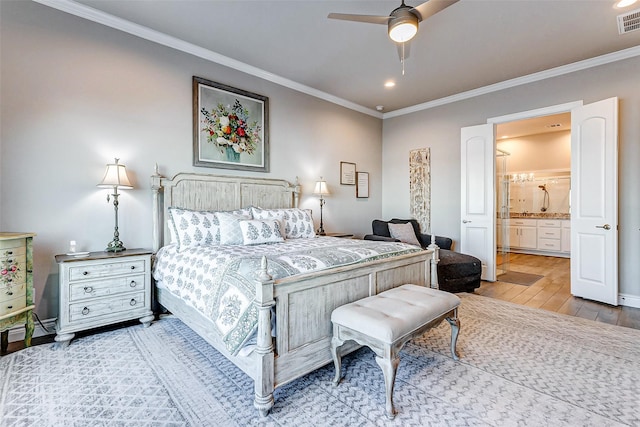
[456,272]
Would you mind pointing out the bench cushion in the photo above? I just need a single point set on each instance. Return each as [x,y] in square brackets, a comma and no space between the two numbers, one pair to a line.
[394,313]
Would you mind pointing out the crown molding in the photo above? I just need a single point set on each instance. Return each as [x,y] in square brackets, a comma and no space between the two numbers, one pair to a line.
[106,19]
[519,81]
[146,33]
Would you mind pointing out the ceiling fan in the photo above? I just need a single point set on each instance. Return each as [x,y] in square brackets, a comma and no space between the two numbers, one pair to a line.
[402,22]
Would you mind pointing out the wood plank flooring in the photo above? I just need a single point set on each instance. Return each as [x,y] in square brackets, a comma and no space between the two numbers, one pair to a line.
[553,291]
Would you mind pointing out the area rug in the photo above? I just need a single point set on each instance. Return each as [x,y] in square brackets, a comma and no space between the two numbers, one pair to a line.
[519,278]
[519,367]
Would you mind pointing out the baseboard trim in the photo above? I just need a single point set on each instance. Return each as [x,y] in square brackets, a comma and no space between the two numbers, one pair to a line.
[629,300]
[17,332]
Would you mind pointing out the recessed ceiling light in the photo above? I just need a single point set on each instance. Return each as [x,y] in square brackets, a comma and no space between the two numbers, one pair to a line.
[625,3]
[379,107]
[389,84]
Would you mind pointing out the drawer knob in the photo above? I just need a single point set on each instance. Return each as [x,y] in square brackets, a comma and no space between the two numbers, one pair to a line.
[132,302]
[85,311]
[9,252]
[133,284]
[10,261]
[84,273]
[9,293]
[9,307]
[88,289]
[133,267]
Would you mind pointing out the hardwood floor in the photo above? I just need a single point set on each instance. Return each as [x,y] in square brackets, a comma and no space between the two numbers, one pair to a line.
[553,292]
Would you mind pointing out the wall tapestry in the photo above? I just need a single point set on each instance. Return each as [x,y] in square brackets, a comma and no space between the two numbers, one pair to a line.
[230,127]
[420,187]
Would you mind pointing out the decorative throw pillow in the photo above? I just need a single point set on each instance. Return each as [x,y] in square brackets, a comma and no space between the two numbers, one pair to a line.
[258,231]
[298,223]
[404,232]
[193,228]
[230,232]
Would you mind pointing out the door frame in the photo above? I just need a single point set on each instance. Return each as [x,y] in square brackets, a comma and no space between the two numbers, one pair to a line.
[530,114]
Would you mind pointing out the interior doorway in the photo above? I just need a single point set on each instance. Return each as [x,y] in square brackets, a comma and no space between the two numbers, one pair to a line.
[533,187]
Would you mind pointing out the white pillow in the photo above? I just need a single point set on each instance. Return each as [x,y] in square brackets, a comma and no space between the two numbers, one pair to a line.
[404,232]
[230,232]
[298,223]
[193,228]
[259,231]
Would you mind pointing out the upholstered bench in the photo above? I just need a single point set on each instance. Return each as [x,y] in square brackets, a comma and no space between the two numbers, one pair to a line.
[387,321]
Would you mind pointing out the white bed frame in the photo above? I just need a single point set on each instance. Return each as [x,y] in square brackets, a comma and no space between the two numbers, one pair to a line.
[303,304]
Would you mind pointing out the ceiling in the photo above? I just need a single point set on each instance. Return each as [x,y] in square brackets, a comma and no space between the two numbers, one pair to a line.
[470,45]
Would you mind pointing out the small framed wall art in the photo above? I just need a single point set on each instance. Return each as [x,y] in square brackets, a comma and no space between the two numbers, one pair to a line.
[362,185]
[230,127]
[347,173]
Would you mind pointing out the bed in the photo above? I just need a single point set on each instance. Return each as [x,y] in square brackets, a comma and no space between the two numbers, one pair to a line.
[296,308]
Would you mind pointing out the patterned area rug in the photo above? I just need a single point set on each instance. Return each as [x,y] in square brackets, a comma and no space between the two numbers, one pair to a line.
[519,366]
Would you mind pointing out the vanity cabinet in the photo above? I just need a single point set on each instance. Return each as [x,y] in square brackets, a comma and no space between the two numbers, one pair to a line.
[549,234]
[522,233]
[565,240]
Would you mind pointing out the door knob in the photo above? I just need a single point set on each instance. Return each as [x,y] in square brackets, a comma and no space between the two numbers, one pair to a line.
[606,226]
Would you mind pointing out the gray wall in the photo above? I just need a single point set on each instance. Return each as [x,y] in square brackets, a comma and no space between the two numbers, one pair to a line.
[439,128]
[76,94]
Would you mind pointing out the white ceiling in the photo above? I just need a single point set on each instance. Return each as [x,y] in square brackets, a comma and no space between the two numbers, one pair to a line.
[470,45]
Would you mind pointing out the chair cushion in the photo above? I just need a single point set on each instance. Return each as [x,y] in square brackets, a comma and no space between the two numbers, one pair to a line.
[396,312]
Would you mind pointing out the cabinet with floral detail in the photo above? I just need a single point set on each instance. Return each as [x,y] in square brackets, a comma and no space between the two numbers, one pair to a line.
[16,285]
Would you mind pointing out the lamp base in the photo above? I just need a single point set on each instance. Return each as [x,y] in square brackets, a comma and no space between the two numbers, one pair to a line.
[321,233]
[115,246]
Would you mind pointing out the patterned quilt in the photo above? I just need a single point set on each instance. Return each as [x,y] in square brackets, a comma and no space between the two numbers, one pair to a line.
[219,281]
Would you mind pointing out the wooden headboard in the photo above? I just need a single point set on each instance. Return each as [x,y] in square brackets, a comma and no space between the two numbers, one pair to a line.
[214,193]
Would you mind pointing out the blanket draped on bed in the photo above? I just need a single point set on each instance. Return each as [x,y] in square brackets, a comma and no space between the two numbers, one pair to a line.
[220,281]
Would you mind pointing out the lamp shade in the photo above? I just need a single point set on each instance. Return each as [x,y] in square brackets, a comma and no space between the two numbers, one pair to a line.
[115,176]
[321,188]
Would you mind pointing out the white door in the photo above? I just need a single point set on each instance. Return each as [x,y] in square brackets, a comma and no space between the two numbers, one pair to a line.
[478,205]
[594,201]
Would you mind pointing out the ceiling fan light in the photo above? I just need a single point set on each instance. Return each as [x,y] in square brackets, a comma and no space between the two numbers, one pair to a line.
[402,28]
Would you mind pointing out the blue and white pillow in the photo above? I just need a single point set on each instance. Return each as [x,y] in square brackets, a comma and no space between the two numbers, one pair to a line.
[230,231]
[193,228]
[259,231]
[298,223]
[190,228]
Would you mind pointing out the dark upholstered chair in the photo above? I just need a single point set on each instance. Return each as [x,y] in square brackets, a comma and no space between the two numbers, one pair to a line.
[456,272]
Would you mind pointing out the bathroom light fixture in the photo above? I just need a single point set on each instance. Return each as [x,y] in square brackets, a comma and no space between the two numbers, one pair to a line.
[321,190]
[115,176]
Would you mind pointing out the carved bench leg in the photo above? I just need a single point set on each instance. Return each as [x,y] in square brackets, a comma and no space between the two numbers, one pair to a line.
[389,368]
[455,329]
[337,359]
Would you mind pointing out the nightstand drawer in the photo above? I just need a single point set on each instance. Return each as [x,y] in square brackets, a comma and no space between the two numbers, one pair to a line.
[18,253]
[14,291]
[11,305]
[107,306]
[92,271]
[100,288]
[9,247]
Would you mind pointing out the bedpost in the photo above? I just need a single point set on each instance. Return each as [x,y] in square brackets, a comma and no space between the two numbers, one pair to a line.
[296,193]
[156,186]
[264,378]
[435,258]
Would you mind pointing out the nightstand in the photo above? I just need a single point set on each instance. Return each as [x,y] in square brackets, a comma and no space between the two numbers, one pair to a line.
[345,235]
[101,289]
[16,285]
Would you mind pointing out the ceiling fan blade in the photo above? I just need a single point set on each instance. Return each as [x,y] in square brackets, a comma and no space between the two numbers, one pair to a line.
[402,55]
[371,19]
[432,7]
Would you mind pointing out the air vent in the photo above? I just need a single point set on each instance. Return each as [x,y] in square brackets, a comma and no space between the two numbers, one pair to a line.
[629,21]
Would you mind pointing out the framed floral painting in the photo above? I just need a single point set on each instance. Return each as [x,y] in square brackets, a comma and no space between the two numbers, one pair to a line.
[230,127]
